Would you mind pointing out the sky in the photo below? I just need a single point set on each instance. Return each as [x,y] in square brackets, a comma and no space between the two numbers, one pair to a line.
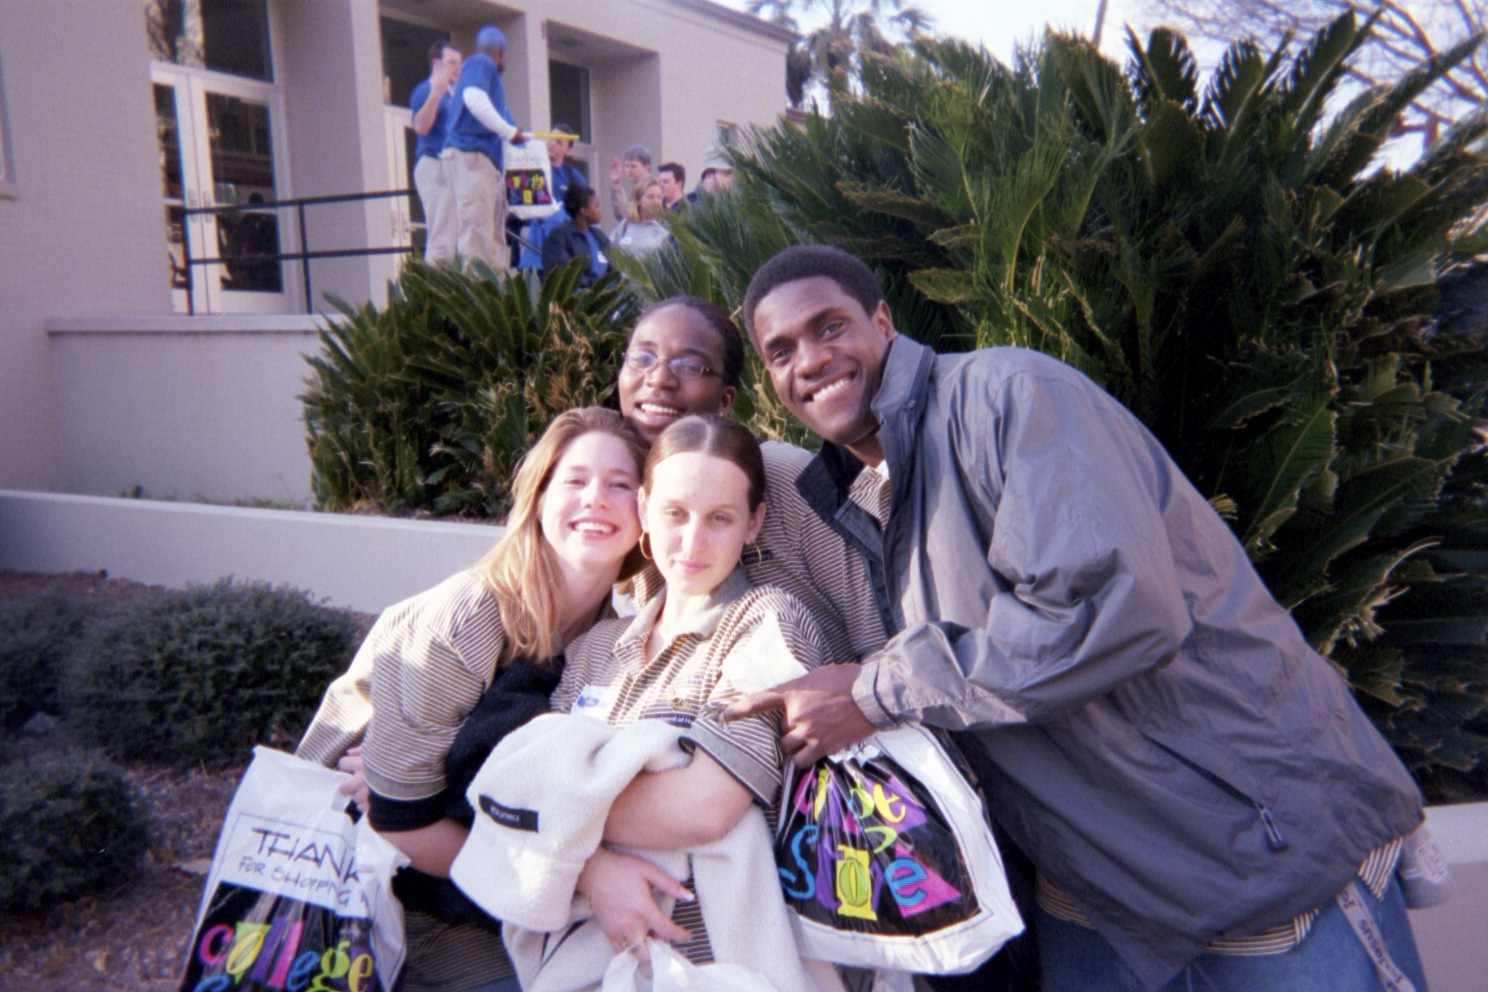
[1002,24]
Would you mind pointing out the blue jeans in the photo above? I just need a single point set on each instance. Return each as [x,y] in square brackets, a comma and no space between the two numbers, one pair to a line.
[1330,959]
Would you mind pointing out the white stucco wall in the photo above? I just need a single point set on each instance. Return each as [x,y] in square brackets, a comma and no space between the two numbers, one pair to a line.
[362,562]
[707,70]
[84,232]
[329,61]
[184,408]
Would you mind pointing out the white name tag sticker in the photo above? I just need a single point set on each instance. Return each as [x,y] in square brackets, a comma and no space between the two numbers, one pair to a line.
[596,701]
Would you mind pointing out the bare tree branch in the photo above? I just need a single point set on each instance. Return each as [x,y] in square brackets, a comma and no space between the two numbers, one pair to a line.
[1406,33]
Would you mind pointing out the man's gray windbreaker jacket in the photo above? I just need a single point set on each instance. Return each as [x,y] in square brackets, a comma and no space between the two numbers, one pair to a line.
[1165,745]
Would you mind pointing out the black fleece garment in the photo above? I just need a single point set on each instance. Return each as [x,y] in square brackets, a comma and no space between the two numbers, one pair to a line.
[519,692]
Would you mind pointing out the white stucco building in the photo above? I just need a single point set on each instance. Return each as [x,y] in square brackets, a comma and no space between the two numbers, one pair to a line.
[117,115]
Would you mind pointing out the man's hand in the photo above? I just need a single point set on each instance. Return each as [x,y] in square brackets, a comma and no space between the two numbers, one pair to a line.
[442,78]
[615,172]
[519,138]
[619,888]
[356,786]
[819,715]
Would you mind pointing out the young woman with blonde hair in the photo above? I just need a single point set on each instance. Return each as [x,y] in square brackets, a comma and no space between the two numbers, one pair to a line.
[640,233]
[428,661]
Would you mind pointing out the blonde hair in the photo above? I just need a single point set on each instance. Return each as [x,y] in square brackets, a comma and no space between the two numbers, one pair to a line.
[522,570]
[638,194]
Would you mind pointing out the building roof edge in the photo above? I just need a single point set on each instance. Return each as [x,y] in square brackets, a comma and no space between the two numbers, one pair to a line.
[738,18]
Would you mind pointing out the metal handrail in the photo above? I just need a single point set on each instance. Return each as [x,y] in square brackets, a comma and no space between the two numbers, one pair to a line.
[304,256]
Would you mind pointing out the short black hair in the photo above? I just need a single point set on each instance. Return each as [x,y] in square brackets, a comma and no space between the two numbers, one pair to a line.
[576,198]
[807,262]
[436,50]
[676,169]
[723,325]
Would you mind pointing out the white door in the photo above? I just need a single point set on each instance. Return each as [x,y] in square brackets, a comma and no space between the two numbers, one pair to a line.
[406,213]
[221,143]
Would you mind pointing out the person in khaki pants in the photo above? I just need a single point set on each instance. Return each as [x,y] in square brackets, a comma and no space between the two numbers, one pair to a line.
[431,103]
[472,154]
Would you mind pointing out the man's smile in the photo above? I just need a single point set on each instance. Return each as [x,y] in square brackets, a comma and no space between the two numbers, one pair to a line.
[835,386]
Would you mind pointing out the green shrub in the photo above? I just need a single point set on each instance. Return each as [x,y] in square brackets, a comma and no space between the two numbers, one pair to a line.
[36,635]
[72,824]
[426,404]
[201,676]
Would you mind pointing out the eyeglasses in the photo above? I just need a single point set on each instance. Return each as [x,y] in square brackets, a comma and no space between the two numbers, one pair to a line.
[683,367]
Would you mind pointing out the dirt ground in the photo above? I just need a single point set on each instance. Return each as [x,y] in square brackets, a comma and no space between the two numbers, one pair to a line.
[134,937]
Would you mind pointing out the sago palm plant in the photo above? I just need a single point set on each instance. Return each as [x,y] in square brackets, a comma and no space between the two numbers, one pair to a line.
[425,405]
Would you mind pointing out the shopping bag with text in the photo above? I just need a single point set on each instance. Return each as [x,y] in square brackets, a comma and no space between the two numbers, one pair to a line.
[299,896]
[887,860]
[529,180]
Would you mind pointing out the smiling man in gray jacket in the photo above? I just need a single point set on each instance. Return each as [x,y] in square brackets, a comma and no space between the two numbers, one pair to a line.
[1205,803]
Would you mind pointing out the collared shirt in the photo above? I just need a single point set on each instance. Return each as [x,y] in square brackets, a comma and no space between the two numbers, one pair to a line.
[464,131]
[431,143]
[607,670]
[684,684]
[433,657]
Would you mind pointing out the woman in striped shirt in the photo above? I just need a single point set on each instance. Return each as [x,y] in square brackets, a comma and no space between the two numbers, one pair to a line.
[701,502]
[428,660]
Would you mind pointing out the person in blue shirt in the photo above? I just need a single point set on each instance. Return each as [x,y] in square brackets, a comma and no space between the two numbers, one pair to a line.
[478,124]
[430,102]
[564,172]
[578,236]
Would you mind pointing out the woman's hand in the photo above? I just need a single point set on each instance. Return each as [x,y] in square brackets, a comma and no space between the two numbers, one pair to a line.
[356,786]
[620,891]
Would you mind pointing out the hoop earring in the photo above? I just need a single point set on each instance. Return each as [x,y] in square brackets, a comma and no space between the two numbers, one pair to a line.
[645,552]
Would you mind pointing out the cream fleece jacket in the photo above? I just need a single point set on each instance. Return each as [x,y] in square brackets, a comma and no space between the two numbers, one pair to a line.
[541,801]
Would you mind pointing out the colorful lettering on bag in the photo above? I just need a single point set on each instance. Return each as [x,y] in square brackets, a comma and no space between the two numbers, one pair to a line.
[860,801]
[914,813]
[854,884]
[890,806]
[902,876]
[885,836]
[361,970]
[917,895]
[527,187]
[334,963]
[282,935]
[221,936]
[853,831]
[299,975]
[245,947]
[823,789]
[789,881]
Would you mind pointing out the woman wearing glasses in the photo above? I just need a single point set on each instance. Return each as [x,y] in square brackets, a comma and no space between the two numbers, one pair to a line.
[685,357]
